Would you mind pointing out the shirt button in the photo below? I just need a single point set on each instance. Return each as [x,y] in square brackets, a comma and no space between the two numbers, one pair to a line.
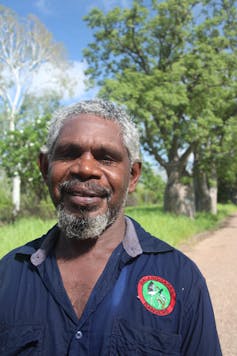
[78,335]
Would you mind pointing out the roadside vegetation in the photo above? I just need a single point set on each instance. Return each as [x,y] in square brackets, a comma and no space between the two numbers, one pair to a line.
[169,227]
[176,229]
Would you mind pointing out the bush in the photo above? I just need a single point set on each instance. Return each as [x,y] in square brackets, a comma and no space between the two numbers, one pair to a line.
[6,207]
[33,206]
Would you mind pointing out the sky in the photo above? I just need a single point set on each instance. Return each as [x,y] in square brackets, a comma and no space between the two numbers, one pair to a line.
[64,19]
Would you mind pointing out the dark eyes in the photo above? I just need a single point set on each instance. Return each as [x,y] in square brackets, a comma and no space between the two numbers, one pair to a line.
[62,154]
[107,161]
[68,154]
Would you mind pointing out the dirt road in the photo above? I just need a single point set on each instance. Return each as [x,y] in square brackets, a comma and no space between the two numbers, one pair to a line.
[216,256]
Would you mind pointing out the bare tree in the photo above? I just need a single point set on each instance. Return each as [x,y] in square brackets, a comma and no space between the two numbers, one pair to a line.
[25,46]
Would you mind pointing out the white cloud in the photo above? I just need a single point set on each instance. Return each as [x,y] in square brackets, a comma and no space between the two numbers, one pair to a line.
[43,6]
[69,83]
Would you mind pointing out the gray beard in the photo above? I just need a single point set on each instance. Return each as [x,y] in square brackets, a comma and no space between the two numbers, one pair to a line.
[84,227]
[81,226]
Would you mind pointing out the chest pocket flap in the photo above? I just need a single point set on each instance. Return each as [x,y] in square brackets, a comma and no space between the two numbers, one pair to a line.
[22,339]
[130,340]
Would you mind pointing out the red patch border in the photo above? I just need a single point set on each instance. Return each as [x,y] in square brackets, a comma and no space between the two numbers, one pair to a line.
[170,288]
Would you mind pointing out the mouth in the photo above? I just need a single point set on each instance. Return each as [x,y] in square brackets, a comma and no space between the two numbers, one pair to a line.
[87,195]
[84,201]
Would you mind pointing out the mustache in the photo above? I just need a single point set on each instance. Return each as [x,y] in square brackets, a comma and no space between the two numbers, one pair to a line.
[76,187]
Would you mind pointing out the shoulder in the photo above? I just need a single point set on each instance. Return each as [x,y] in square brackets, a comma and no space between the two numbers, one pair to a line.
[29,247]
[168,260]
[168,264]
[23,253]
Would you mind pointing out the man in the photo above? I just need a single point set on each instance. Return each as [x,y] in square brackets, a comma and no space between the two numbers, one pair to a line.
[97,283]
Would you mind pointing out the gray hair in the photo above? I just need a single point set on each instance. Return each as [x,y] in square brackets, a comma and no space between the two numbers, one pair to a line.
[103,109]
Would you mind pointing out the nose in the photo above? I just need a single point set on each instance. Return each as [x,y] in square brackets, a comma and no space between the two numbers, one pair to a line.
[85,167]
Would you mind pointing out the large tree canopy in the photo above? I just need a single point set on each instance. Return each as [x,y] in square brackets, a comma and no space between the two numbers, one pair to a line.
[172,65]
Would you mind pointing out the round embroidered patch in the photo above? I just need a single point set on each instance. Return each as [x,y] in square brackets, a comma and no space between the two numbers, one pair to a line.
[156,294]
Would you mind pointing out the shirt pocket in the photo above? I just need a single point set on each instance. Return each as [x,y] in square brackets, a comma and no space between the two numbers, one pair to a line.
[131,340]
[21,340]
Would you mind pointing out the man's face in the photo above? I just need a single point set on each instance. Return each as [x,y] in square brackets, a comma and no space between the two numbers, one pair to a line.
[89,173]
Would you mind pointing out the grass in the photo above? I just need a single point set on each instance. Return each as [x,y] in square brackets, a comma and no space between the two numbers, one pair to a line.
[171,228]
[22,231]
[177,229]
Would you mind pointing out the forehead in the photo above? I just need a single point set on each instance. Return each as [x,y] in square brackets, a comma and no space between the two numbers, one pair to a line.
[90,128]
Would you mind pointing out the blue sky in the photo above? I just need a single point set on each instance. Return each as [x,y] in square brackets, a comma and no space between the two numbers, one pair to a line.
[64,18]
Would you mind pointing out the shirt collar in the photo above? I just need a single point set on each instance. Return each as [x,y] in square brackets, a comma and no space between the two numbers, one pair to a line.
[131,242]
[48,243]
[136,241]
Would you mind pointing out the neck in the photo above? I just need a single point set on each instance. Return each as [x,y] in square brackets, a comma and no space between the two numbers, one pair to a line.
[68,249]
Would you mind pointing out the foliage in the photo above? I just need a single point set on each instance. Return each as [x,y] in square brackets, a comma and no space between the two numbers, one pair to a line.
[150,178]
[150,189]
[227,165]
[176,229]
[140,51]
[173,65]
[5,200]
[171,228]
[19,155]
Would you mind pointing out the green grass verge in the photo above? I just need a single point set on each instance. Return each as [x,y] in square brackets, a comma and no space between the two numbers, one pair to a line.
[171,228]
[177,229]
[22,231]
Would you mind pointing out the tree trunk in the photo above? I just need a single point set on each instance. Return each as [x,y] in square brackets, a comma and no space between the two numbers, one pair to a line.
[213,197]
[16,180]
[16,194]
[205,190]
[178,198]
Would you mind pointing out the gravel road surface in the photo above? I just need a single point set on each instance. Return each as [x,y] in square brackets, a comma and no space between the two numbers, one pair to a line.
[215,254]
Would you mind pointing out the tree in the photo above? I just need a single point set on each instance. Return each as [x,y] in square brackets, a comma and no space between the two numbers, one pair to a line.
[25,46]
[155,59]
[212,93]
[227,165]
[19,153]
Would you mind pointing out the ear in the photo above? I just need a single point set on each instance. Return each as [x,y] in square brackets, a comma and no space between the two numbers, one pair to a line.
[43,163]
[134,176]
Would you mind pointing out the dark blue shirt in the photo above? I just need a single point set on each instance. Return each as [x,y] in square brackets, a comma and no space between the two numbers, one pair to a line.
[149,300]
